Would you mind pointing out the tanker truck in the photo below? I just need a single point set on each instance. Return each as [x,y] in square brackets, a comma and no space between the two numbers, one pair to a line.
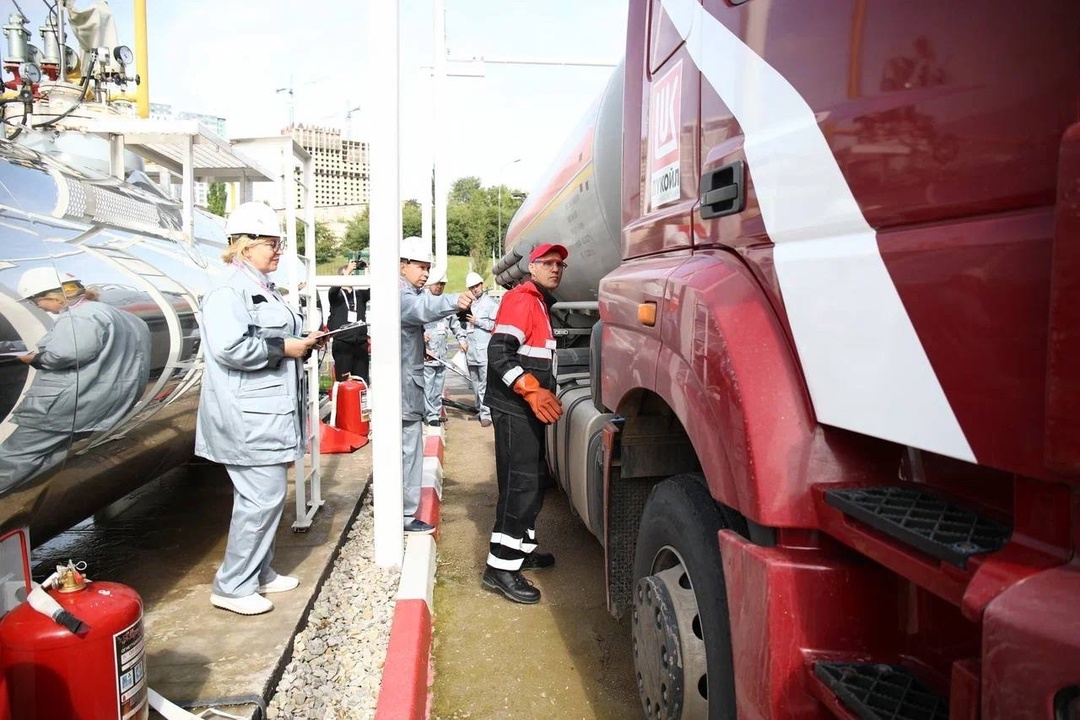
[820,355]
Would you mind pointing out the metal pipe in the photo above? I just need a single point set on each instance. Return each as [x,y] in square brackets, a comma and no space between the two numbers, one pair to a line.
[585,305]
[383,49]
[442,187]
[142,60]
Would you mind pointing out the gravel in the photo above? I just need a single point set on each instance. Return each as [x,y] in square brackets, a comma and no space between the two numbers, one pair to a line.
[338,657]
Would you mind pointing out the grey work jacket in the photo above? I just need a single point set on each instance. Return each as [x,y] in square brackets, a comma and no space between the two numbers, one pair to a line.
[417,309]
[478,333]
[92,366]
[251,410]
[438,338]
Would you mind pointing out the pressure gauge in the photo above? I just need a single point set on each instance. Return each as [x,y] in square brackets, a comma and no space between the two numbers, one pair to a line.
[123,54]
[30,73]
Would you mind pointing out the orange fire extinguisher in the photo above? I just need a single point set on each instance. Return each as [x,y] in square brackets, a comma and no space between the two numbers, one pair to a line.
[75,650]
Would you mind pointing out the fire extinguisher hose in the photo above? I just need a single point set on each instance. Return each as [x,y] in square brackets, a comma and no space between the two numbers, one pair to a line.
[41,601]
[168,710]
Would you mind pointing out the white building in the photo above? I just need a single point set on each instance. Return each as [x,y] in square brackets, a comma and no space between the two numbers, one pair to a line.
[342,171]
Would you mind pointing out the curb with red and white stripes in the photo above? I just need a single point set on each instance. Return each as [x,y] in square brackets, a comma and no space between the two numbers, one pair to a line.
[406,676]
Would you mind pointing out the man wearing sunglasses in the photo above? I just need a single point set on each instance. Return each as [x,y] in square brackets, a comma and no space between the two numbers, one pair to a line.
[521,395]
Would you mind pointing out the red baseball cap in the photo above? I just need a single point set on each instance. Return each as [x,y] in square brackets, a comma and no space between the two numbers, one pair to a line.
[541,250]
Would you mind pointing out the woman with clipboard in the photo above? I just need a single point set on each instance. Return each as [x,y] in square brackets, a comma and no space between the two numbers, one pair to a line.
[350,348]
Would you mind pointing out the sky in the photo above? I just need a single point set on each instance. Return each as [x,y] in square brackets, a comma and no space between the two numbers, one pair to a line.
[229,57]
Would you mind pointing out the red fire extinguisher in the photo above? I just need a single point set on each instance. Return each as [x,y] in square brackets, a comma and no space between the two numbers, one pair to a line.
[352,407]
[5,705]
[79,655]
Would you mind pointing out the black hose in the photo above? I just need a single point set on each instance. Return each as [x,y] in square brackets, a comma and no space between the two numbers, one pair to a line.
[82,95]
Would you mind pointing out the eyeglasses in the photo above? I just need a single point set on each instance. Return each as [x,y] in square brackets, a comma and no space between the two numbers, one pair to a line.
[551,264]
[273,243]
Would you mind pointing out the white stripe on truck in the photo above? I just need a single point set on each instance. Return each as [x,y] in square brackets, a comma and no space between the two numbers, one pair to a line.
[865,367]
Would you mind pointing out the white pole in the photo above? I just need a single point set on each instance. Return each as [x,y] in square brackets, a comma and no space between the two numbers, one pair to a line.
[425,215]
[442,188]
[385,332]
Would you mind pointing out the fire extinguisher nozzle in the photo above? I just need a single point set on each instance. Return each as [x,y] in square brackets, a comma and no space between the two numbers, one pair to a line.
[72,623]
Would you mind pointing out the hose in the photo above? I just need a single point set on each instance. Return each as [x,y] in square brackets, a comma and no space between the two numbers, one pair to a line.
[41,601]
[82,95]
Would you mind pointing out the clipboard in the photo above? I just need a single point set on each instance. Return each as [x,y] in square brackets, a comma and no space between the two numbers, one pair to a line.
[344,328]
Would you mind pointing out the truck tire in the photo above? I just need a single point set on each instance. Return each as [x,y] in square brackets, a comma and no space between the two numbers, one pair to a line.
[680,624]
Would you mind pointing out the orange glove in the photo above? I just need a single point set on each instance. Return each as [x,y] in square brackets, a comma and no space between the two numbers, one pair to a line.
[543,402]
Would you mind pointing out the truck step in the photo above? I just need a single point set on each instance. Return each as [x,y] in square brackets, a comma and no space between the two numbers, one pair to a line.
[881,692]
[924,521]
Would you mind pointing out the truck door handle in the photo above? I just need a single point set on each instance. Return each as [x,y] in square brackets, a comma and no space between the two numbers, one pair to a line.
[722,192]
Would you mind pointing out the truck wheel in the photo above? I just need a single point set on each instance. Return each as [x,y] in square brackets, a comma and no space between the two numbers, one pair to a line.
[680,623]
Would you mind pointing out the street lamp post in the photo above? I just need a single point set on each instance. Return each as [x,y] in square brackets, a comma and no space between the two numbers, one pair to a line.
[501,171]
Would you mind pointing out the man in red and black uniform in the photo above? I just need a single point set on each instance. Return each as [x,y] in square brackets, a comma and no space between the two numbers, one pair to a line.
[521,395]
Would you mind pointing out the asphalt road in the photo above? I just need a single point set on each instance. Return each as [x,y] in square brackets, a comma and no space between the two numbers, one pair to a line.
[565,657]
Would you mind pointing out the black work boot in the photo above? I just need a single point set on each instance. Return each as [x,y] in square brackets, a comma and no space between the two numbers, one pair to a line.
[538,561]
[512,584]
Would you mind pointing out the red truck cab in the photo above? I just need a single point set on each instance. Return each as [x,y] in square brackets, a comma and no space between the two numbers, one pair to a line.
[838,355]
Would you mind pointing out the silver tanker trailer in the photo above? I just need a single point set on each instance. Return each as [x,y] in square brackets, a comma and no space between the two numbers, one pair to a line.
[107,241]
[578,204]
[101,274]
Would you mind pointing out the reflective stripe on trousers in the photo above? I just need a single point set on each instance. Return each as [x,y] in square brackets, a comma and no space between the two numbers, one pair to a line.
[520,468]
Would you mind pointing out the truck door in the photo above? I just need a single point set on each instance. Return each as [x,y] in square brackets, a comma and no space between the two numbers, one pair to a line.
[669,137]
[901,166]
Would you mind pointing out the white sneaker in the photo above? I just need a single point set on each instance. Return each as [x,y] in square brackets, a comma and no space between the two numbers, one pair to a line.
[253,604]
[282,583]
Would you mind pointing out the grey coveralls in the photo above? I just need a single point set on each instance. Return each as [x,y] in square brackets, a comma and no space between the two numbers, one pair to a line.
[438,334]
[478,336]
[251,416]
[417,309]
[92,367]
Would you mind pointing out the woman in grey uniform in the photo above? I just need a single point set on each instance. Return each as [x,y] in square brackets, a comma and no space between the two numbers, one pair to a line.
[92,366]
[251,411]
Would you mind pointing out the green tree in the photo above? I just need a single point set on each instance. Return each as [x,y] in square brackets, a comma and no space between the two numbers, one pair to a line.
[327,245]
[412,222]
[464,190]
[358,231]
[215,198]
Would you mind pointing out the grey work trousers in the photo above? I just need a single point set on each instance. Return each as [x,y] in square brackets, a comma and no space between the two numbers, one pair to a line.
[258,502]
[434,378]
[412,466]
[478,373]
[28,452]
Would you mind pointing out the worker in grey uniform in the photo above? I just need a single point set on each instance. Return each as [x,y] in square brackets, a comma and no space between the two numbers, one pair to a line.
[417,309]
[92,366]
[437,337]
[479,324]
[251,408]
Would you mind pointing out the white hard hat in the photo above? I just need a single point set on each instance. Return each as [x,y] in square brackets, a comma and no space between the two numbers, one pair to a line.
[473,279]
[414,248]
[437,277]
[253,218]
[38,280]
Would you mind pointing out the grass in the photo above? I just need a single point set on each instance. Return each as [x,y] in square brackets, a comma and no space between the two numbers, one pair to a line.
[456,272]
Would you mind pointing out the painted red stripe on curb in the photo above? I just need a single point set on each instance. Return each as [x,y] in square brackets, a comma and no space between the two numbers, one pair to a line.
[404,691]
[429,508]
[433,447]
